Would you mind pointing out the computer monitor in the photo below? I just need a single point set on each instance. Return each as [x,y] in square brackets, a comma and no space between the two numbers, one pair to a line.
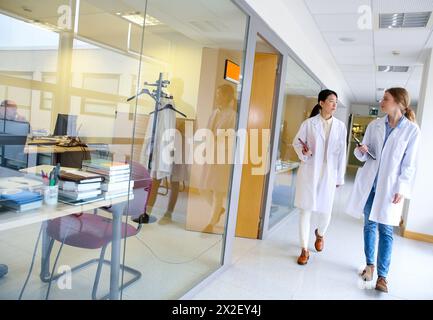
[13,136]
[66,125]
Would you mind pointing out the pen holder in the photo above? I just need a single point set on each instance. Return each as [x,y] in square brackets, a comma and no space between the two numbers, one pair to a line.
[51,195]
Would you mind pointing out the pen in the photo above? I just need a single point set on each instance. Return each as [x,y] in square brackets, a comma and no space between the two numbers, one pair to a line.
[57,173]
[52,181]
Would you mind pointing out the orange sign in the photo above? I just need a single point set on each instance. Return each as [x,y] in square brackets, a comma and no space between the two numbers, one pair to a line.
[232,72]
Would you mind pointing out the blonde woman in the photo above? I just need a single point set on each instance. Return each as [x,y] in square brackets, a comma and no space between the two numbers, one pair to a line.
[385,179]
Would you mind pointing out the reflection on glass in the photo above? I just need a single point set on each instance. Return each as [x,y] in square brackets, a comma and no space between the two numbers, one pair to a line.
[189,196]
[63,78]
[216,176]
[73,147]
[300,97]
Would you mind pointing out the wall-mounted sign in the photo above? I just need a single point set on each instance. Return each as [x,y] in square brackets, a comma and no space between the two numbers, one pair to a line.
[232,72]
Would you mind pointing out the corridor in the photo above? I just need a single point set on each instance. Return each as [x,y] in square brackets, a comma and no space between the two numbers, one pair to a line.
[267,269]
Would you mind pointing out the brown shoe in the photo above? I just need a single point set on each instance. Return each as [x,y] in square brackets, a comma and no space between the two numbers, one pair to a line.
[381,284]
[319,241]
[303,258]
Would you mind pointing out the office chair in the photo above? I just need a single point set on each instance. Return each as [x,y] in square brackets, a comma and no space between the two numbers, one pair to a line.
[91,231]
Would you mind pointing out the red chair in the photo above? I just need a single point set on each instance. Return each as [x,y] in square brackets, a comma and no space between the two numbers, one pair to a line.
[91,231]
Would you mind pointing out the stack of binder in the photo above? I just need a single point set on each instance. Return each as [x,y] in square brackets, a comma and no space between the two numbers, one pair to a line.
[77,185]
[21,200]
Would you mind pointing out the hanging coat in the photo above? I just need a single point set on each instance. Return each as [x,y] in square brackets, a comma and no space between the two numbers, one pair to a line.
[396,166]
[315,191]
[163,142]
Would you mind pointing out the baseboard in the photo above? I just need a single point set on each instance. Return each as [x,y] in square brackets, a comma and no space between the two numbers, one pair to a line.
[418,236]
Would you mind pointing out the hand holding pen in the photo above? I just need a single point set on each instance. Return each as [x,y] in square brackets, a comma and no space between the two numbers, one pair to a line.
[305,150]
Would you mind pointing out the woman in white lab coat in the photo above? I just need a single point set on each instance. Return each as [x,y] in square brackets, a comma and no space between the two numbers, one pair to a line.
[382,183]
[321,147]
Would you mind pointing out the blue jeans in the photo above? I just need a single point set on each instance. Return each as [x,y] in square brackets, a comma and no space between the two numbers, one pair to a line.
[385,240]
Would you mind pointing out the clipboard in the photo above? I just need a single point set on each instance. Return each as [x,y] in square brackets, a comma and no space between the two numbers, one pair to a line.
[359,144]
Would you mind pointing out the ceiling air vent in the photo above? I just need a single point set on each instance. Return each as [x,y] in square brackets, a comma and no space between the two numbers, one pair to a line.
[404,20]
[393,68]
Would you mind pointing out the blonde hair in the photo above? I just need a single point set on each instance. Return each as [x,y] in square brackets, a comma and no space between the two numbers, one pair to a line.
[402,98]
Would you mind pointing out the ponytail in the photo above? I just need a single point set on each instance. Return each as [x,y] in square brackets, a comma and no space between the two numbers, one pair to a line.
[315,111]
[410,114]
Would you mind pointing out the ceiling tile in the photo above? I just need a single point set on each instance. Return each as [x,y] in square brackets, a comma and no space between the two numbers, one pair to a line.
[401,37]
[360,60]
[392,76]
[346,68]
[407,57]
[337,22]
[397,6]
[361,38]
[352,51]
[335,6]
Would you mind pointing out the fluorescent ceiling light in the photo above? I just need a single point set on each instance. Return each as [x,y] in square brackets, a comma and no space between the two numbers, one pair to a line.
[404,20]
[137,18]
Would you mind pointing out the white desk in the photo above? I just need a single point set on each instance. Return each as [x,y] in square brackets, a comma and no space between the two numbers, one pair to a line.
[10,220]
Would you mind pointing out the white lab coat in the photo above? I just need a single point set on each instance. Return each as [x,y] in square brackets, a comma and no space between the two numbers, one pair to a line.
[164,145]
[314,192]
[396,164]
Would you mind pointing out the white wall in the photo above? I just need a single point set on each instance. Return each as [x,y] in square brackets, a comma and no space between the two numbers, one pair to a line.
[294,24]
[420,215]
[342,114]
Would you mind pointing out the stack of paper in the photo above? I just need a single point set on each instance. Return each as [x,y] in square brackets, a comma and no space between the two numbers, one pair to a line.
[116,177]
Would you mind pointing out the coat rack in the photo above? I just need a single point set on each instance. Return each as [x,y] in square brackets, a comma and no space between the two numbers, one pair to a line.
[156,95]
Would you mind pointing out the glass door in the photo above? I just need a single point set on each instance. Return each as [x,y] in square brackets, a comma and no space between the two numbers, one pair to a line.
[299,97]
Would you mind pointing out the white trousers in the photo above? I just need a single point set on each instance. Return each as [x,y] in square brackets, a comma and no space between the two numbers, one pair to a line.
[305,225]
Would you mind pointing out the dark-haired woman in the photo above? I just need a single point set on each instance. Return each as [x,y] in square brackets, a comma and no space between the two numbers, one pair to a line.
[321,147]
[382,183]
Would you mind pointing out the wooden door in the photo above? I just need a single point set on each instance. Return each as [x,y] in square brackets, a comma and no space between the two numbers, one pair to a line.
[251,197]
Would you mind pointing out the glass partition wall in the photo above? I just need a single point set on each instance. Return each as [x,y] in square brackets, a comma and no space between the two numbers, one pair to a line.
[65,74]
[110,91]
[300,96]
[198,48]
[138,103]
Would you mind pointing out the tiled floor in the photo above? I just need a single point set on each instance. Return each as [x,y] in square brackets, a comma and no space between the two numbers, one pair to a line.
[267,269]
